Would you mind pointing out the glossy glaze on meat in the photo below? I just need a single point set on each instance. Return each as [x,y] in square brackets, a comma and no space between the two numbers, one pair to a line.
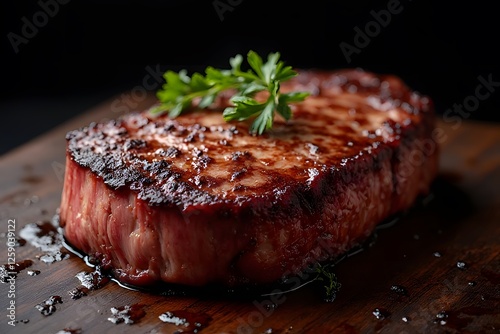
[195,200]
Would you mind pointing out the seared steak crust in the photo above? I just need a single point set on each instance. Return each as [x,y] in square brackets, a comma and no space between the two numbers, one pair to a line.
[195,200]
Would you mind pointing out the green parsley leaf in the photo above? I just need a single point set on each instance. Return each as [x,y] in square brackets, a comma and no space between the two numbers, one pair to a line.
[179,91]
[331,284]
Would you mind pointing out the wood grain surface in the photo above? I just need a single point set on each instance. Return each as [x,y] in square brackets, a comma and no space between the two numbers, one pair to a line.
[437,270]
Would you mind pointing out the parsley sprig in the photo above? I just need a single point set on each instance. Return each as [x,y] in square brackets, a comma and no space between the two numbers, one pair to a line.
[331,284]
[180,91]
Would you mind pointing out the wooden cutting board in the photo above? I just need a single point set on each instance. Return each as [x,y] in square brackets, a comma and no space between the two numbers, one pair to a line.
[437,270]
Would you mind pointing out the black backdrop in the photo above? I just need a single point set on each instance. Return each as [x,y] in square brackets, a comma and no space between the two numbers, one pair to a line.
[60,57]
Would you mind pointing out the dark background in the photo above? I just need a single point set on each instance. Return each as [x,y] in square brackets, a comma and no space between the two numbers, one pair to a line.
[91,50]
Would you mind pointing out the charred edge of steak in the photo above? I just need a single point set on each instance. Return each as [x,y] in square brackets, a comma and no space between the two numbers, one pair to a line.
[118,166]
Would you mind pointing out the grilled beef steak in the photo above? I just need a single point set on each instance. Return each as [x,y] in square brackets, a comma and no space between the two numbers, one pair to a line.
[195,200]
